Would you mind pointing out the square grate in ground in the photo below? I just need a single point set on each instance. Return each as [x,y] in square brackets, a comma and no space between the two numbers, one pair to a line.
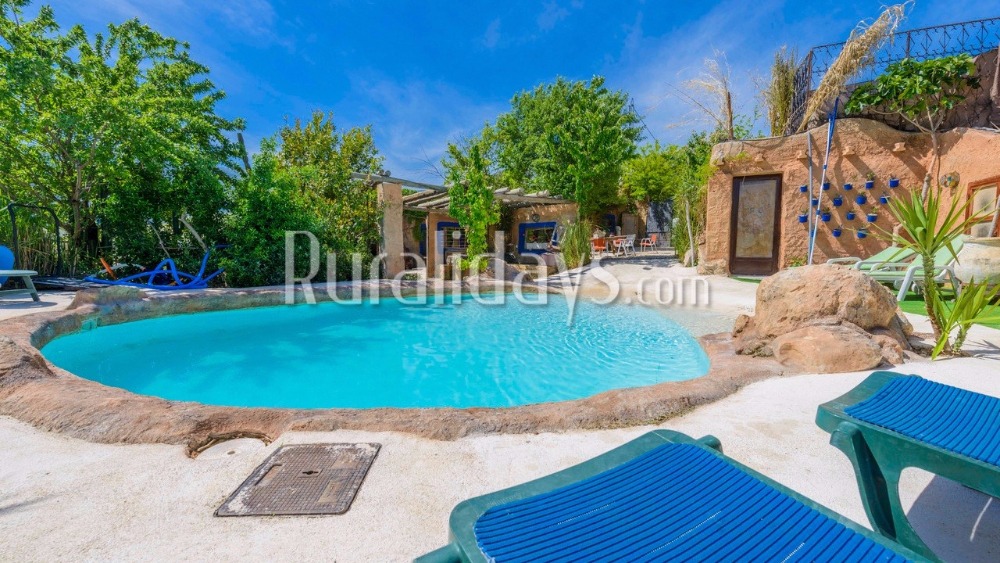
[303,479]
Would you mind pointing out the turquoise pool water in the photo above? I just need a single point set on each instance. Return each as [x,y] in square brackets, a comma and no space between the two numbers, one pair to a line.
[462,354]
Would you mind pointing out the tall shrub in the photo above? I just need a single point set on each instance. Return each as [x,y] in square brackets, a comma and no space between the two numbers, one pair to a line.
[471,195]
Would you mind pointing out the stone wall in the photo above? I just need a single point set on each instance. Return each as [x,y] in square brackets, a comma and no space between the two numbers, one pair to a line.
[860,146]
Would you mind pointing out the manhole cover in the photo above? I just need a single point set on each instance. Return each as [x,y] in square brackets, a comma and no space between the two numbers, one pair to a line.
[303,479]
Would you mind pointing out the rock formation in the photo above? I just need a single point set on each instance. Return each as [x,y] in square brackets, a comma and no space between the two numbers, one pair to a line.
[824,319]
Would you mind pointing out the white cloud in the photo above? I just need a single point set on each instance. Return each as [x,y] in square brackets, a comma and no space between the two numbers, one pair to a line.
[415,120]
[551,14]
[492,35]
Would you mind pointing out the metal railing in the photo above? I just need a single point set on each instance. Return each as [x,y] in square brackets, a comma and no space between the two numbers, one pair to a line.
[972,37]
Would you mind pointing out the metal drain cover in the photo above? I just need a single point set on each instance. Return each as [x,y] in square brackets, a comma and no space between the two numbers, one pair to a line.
[303,479]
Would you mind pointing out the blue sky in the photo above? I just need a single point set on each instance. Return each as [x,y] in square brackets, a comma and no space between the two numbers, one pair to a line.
[425,73]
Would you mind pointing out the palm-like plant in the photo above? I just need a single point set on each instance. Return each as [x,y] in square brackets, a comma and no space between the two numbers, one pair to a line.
[928,228]
[973,305]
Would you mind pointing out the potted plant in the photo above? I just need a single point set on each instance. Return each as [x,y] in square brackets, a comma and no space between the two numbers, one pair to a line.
[838,201]
[803,188]
[893,181]
[862,232]
[815,202]
[804,216]
[848,186]
[836,231]
[869,180]
[884,199]
[872,216]
[825,215]
[826,186]
[851,215]
[861,199]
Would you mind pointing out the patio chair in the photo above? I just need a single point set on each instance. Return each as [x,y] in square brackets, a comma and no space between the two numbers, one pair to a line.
[599,246]
[625,245]
[906,275]
[663,496]
[891,255]
[7,271]
[649,242]
[892,421]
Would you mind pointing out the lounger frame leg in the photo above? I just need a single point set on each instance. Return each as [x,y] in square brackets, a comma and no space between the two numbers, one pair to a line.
[879,486]
[31,288]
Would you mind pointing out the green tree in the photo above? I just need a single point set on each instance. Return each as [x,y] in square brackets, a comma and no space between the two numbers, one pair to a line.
[678,173]
[471,193]
[267,202]
[121,124]
[570,139]
[646,177]
[921,92]
[319,160]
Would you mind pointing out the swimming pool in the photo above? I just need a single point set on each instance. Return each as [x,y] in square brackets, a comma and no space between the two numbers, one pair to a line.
[386,354]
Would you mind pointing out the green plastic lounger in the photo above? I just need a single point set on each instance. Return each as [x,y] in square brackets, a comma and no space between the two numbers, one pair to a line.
[892,421]
[662,496]
[891,255]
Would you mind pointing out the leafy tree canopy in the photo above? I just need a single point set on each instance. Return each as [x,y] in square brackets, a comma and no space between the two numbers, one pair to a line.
[318,159]
[471,193]
[120,125]
[570,139]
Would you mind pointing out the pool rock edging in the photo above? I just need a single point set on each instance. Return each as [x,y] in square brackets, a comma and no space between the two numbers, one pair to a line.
[35,391]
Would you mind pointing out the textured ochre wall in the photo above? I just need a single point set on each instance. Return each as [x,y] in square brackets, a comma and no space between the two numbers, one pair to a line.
[859,146]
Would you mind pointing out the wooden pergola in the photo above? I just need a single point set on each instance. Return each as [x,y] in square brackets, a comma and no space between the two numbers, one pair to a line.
[432,197]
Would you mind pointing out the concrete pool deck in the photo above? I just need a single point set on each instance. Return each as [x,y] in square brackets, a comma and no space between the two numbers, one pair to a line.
[63,498]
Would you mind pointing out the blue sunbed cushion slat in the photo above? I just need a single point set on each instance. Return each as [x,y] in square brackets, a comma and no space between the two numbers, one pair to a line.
[950,418]
[674,502]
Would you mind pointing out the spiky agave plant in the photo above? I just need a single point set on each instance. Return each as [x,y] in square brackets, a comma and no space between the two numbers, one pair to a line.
[974,305]
[928,229]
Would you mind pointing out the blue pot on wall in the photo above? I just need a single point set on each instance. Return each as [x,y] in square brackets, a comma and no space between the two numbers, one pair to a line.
[872,217]
[803,218]
[838,201]
[836,232]
[825,217]
[870,184]
[848,187]
[884,199]
[803,188]
[862,234]
[861,199]
[893,182]
[826,186]
[851,215]
[815,201]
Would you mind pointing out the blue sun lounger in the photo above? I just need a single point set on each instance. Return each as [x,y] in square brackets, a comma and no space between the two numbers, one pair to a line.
[164,277]
[892,421]
[663,496]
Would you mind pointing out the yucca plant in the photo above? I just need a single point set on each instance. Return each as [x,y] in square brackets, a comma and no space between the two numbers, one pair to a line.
[927,228]
[974,305]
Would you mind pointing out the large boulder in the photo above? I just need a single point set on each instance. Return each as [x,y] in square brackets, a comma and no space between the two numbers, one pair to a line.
[827,349]
[844,303]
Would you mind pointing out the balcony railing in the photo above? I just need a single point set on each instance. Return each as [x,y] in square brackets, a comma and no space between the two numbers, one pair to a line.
[972,37]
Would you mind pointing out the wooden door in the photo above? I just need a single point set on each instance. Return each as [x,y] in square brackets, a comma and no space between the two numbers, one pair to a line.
[755,227]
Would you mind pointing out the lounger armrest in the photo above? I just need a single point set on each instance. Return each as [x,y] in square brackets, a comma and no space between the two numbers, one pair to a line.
[892,267]
[847,260]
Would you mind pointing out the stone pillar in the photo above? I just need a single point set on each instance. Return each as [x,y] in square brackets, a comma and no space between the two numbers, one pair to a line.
[390,196]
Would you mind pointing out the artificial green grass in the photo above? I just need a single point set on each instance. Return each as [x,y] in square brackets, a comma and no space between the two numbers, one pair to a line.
[748,280]
[914,304]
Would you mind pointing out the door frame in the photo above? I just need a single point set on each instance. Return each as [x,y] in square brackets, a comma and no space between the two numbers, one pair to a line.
[755,266]
[971,190]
